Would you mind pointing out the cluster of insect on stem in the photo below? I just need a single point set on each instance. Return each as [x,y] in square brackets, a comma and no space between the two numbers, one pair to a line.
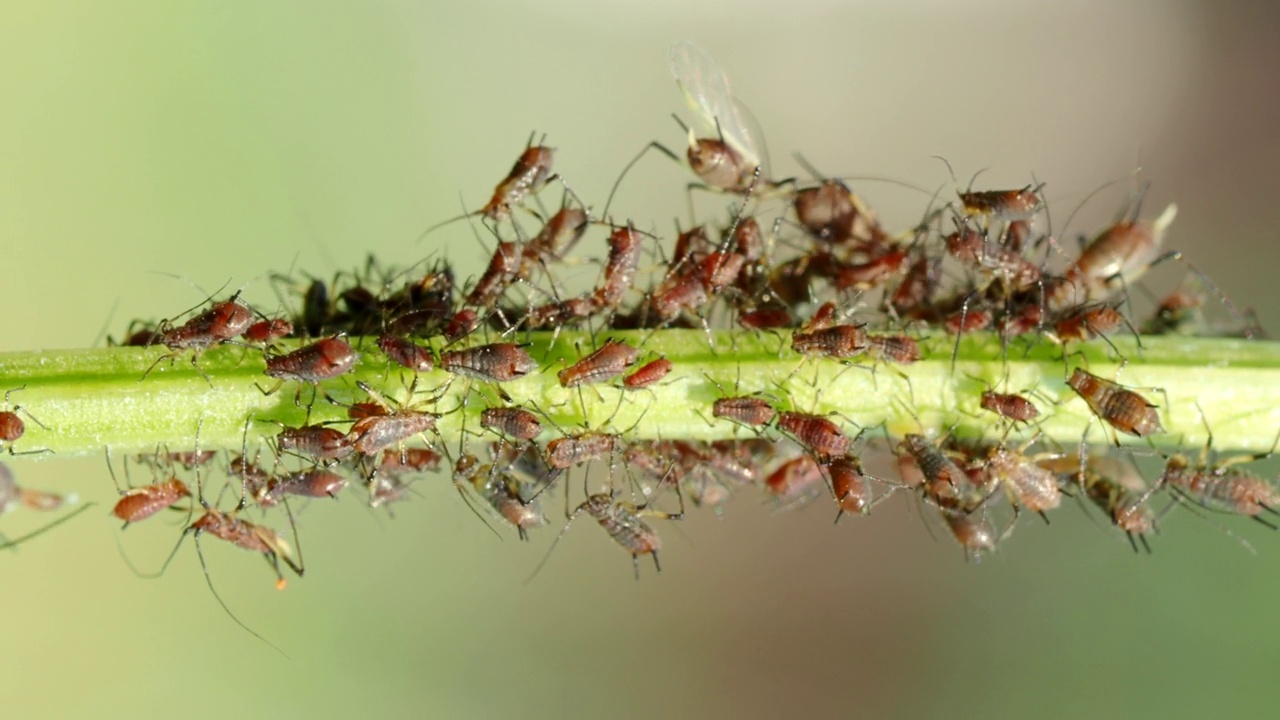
[805,261]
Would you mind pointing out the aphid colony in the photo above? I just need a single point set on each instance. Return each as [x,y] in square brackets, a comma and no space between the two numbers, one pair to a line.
[809,262]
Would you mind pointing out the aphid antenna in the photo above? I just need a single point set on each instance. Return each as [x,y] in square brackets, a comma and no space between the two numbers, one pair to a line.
[9,544]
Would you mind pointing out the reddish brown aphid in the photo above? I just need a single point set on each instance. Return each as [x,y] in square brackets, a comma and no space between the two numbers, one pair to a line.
[321,360]
[460,325]
[967,320]
[610,361]
[648,374]
[314,483]
[557,237]
[945,482]
[1121,408]
[995,261]
[560,312]
[826,211]
[246,535]
[496,278]
[566,452]
[513,422]
[530,173]
[356,411]
[12,427]
[406,353]
[767,318]
[372,435]
[839,341]
[315,441]
[876,272]
[1114,259]
[900,349]
[1026,318]
[224,321]
[818,434]
[141,503]
[681,292]
[1088,322]
[409,459]
[266,331]
[496,362]
[795,481]
[1009,405]
[747,410]
[851,487]
[973,530]
[620,269]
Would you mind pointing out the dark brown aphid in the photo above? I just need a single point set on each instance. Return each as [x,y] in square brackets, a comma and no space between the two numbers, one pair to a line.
[1123,505]
[610,361]
[513,422]
[1121,408]
[267,331]
[766,318]
[1002,205]
[496,362]
[1009,405]
[648,374]
[321,360]
[315,441]
[406,353]
[839,341]
[140,503]
[945,482]
[816,433]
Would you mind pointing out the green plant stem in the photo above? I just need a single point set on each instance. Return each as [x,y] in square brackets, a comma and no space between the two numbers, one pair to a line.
[88,399]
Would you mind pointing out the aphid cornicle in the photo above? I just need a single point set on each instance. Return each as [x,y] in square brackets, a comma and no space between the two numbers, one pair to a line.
[1121,408]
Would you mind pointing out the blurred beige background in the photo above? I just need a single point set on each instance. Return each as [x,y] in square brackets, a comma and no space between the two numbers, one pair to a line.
[223,140]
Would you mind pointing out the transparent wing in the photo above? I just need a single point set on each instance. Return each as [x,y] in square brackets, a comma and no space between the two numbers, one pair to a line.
[706,90]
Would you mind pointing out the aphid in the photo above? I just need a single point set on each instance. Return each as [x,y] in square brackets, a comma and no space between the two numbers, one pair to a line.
[816,433]
[999,205]
[967,320]
[557,237]
[12,427]
[728,161]
[1034,487]
[502,491]
[565,452]
[223,322]
[321,360]
[140,503]
[513,422]
[1114,259]
[1123,505]
[900,349]
[624,523]
[1121,408]
[406,353]
[496,278]
[1223,486]
[1088,322]
[560,312]
[267,331]
[945,482]
[314,483]
[620,268]
[648,374]
[973,530]
[532,171]
[610,361]
[496,362]
[747,410]
[766,318]
[851,486]
[408,459]
[1009,405]
[315,441]
[993,261]
[838,341]
[373,434]
[795,482]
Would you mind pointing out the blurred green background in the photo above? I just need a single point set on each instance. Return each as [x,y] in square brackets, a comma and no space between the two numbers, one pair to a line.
[219,141]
